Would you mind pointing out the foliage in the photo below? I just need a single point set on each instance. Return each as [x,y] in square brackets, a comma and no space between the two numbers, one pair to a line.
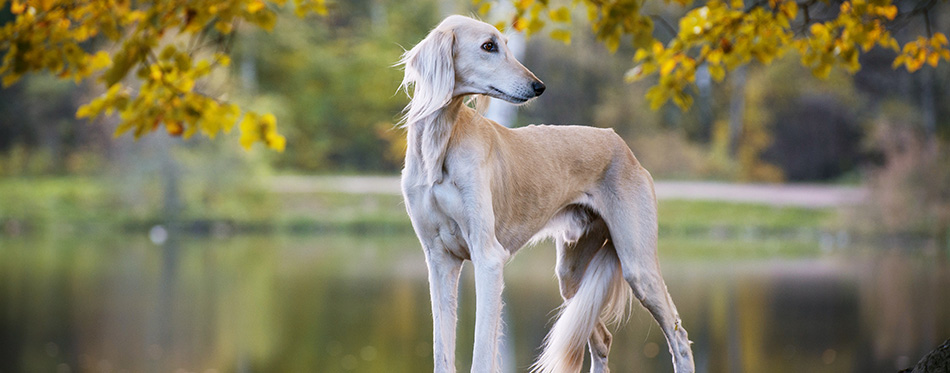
[910,190]
[150,56]
[332,83]
[723,35]
[38,134]
[814,124]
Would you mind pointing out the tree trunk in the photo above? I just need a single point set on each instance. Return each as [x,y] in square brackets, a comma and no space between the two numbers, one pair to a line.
[736,108]
[500,111]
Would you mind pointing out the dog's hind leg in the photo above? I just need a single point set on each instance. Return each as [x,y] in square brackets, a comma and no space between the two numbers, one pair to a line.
[599,348]
[631,215]
[573,259]
[444,269]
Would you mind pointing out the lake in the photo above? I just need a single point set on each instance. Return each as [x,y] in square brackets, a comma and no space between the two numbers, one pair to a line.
[323,302]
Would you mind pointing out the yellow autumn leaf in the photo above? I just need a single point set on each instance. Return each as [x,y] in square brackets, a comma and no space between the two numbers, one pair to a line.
[939,39]
[667,66]
[561,14]
[276,141]
[484,8]
[83,112]
[134,16]
[913,64]
[898,61]
[255,6]
[249,131]
[17,7]
[822,70]
[561,35]
[269,121]
[910,48]
[174,128]
[933,59]
[222,59]
[612,42]
[889,12]
[790,9]
[683,100]
[270,136]
[657,96]
[714,56]
[100,60]
[845,7]
[534,26]
[224,27]
[717,72]
[155,73]
[228,115]
[520,24]
[640,55]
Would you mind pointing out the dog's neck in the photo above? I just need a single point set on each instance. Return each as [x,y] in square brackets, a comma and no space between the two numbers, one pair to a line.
[428,141]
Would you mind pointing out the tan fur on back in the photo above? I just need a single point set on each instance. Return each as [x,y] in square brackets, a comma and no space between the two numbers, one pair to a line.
[538,169]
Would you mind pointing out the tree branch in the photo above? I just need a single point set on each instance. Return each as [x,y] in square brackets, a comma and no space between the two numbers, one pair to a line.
[902,19]
[930,33]
[666,25]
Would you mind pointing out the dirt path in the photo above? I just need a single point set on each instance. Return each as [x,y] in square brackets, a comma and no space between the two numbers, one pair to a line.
[799,195]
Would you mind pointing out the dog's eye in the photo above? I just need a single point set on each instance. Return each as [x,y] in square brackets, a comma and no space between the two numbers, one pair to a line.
[489,47]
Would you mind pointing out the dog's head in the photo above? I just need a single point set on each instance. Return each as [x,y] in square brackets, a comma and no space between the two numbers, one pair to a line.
[464,56]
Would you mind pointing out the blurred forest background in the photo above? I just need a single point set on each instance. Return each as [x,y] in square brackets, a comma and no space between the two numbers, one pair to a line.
[332,85]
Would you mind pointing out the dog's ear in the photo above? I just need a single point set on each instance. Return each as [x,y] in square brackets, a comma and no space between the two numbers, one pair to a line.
[430,68]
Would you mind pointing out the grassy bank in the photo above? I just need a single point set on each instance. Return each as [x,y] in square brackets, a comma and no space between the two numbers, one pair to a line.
[41,204]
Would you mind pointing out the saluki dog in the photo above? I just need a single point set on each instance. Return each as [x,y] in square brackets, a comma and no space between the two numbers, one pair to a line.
[479,191]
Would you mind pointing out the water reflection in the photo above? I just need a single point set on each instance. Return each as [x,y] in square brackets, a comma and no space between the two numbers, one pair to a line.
[338,303]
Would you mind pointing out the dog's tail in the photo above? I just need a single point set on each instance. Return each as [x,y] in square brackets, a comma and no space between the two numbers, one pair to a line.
[602,293]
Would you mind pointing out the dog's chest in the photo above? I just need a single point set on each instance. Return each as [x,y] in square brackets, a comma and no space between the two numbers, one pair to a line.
[430,210]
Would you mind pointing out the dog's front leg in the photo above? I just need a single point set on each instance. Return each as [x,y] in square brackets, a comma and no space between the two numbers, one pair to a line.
[489,261]
[444,271]
[488,258]
[466,198]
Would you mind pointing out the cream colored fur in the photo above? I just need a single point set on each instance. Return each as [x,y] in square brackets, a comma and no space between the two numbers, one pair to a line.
[478,191]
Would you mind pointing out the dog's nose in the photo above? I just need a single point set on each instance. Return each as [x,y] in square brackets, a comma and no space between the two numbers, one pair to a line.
[538,88]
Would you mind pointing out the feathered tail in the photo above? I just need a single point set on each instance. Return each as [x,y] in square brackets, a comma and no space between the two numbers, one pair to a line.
[602,293]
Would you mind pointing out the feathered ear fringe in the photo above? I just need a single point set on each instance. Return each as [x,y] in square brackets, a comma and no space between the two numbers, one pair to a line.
[429,68]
